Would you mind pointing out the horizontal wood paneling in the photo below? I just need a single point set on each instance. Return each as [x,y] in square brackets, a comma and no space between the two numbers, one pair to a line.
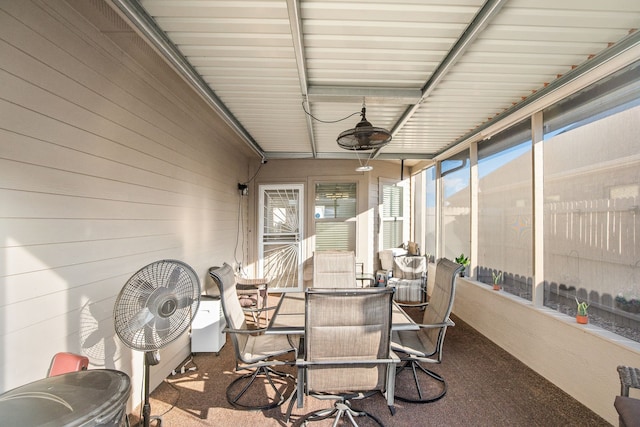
[108,161]
[62,230]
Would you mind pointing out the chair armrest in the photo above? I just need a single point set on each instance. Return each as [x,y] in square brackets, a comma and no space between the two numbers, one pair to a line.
[245,331]
[345,362]
[417,304]
[244,283]
[258,309]
[437,325]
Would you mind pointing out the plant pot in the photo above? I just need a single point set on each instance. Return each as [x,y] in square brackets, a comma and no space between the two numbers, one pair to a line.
[583,320]
[496,287]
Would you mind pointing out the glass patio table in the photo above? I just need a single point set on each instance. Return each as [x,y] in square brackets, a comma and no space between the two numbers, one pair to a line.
[94,397]
[288,317]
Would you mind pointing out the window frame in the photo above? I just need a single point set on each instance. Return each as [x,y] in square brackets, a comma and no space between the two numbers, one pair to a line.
[405,207]
[353,231]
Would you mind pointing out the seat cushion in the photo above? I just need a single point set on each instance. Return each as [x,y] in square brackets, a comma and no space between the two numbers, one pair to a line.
[409,267]
[411,343]
[260,347]
[407,290]
[247,301]
[629,411]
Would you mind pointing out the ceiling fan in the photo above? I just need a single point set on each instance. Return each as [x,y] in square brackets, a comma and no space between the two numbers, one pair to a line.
[364,136]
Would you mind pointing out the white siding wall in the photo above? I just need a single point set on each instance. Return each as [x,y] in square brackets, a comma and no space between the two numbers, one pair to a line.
[107,163]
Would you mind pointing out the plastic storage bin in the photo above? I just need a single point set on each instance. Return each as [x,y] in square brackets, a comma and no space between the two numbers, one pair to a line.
[207,326]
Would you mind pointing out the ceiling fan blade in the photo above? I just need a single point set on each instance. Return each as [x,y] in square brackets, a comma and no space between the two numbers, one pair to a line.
[140,319]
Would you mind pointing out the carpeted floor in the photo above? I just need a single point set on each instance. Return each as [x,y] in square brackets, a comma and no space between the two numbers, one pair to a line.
[486,387]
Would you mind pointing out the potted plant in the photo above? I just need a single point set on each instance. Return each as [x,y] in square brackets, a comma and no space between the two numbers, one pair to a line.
[464,261]
[496,280]
[582,317]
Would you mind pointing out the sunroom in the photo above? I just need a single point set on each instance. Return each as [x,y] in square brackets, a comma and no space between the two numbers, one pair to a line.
[134,131]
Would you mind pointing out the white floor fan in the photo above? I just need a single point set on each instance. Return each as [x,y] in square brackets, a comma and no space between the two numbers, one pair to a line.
[154,308]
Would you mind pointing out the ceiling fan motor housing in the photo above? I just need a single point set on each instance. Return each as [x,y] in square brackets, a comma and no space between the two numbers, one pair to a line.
[364,136]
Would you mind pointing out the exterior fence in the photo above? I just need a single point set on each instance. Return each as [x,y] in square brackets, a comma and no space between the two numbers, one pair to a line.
[592,252]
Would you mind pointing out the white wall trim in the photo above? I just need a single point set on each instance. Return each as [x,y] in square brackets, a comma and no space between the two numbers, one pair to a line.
[580,359]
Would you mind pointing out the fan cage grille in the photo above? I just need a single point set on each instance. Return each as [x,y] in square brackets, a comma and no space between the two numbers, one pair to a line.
[156,305]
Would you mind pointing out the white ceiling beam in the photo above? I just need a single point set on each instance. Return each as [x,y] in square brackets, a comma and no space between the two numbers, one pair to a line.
[479,23]
[372,95]
[295,22]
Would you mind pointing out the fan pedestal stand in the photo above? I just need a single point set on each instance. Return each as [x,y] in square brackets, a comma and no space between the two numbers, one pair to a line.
[154,308]
[151,358]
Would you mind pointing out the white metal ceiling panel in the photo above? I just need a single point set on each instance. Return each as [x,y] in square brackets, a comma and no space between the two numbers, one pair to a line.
[528,45]
[244,51]
[432,71]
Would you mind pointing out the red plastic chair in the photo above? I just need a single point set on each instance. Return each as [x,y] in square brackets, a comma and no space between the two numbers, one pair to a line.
[67,362]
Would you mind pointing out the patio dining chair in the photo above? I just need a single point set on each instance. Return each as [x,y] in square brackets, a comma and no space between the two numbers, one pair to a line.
[254,295]
[255,352]
[64,362]
[334,269]
[346,353]
[408,273]
[425,345]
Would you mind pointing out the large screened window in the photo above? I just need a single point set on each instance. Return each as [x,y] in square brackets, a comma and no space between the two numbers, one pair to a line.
[589,173]
[591,193]
[335,216]
[505,208]
[456,205]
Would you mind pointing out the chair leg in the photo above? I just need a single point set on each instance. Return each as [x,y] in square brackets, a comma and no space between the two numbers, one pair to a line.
[340,409]
[292,400]
[235,399]
[417,369]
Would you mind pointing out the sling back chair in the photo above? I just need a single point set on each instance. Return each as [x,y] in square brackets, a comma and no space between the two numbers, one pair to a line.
[346,351]
[254,352]
[406,272]
[334,269]
[425,345]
